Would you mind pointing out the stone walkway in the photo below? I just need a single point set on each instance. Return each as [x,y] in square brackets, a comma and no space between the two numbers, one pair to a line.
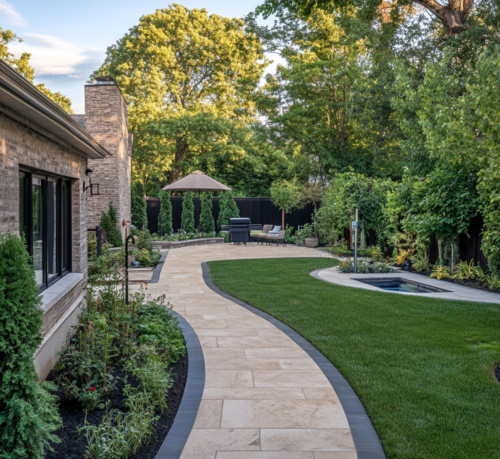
[264,397]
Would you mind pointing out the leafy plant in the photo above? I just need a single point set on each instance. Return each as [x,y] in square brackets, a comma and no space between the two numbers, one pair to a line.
[138,205]
[119,435]
[109,223]
[187,212]
[480,275]
[143,257]
[440,272]
[376,253]
[207,223]
[165,218]
[494,283]
[228,209]
[28,413]
[403,256]
[420,263]
[465,271]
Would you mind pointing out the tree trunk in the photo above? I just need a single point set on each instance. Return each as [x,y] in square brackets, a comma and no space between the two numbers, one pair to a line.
[282,219]
[452,16]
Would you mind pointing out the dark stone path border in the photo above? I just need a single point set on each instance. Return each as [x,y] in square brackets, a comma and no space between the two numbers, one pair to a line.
[365,438]
[184,420]
[159,267]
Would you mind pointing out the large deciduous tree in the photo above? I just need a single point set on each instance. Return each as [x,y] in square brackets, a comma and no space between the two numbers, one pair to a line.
[453,14]
[187,76]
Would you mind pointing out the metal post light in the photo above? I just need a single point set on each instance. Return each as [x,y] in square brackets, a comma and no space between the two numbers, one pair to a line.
[355,225]
[126,265]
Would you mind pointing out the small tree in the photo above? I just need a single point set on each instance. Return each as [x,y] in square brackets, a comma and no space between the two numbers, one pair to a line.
[188,212]
[228,209]
[207,223]
[138,205]
[109,223]
[165,219]
[28,413]
[285,196]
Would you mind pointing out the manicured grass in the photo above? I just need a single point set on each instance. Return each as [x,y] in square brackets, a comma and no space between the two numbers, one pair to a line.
[422,367]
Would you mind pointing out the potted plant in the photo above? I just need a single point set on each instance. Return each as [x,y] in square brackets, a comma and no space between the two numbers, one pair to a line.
[310,234]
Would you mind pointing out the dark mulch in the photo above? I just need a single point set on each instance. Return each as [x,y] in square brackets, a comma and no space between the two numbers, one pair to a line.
[73,445]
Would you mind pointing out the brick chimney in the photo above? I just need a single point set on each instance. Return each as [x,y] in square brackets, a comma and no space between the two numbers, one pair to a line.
[106,119]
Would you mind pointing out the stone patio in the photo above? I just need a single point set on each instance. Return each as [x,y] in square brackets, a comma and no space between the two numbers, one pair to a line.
[264,397]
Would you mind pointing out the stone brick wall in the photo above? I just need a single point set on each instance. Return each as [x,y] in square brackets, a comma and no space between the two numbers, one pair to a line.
[106,119]
[25,143]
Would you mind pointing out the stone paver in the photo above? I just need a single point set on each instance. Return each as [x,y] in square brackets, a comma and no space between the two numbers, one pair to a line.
[264,397]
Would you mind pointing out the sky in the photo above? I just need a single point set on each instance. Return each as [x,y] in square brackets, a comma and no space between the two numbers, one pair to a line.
[68,39]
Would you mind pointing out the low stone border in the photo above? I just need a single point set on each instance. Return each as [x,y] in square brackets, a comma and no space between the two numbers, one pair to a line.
[186,243]
[365,437]
[176,438]
[159,267]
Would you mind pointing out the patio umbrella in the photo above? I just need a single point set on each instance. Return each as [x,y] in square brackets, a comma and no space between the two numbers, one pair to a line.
[197,181]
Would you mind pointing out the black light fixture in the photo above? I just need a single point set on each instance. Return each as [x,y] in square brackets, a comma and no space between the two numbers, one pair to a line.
[94,188]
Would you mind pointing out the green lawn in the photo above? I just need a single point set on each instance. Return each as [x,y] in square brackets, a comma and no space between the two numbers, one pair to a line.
[423,368]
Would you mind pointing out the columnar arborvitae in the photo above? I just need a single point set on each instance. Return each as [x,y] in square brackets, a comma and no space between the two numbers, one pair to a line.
[207,223]
[138,205]
[28,413]
[188,212]
[165,219]
[228,209]
[109,223]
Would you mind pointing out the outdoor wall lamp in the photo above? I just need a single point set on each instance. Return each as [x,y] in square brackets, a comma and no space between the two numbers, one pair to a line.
[94,188]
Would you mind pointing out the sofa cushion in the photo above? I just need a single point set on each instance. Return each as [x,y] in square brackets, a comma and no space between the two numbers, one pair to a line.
[275,230]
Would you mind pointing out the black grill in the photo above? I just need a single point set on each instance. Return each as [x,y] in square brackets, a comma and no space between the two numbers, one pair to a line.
[239,228]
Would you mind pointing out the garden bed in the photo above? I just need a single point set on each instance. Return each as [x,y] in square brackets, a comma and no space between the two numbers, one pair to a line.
[73,445]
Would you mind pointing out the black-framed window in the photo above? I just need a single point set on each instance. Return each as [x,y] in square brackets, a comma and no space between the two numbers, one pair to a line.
[45,222]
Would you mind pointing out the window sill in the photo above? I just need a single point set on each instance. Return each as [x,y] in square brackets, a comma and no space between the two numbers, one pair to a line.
[55,292]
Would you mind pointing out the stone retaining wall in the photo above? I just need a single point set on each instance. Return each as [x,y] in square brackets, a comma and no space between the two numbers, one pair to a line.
[186,243]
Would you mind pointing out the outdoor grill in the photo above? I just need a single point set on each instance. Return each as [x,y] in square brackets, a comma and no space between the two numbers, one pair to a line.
[239,228]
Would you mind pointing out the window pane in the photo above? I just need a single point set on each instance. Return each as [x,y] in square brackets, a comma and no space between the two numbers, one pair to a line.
[22,204]
[37,193]
[66,229]
[52,228]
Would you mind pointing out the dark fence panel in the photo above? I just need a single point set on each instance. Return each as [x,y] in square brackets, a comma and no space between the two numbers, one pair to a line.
[261,211]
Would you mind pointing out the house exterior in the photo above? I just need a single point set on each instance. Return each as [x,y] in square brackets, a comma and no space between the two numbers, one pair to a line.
[44,195]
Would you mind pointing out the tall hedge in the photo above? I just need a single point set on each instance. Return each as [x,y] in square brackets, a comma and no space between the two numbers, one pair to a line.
[188,212]
[207,223]
[28,413]
[228,209]
[109,223]
[165,218]
[138,205]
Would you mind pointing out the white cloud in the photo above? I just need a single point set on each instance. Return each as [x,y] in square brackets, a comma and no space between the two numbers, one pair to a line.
[8,11]
[52,56]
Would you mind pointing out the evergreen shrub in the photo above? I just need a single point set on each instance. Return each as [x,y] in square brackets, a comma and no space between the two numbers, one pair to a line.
[165,220]
[138,205]
[228,209]
[188,212]
[109,223]
[207,223]
[28,412]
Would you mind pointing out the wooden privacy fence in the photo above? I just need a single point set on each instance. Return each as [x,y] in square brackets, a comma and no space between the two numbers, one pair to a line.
[260,211]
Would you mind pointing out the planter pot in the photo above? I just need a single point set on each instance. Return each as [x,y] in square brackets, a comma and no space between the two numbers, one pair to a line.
[130,259]
[312,242]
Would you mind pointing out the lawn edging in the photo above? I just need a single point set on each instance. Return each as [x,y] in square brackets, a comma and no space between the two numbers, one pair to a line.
[365,437]
[178,434]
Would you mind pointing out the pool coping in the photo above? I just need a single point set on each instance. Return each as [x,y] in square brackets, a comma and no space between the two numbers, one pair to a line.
[177,436]
[365,437]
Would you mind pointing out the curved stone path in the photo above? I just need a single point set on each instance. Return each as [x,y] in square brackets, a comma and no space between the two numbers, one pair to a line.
[264,396]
